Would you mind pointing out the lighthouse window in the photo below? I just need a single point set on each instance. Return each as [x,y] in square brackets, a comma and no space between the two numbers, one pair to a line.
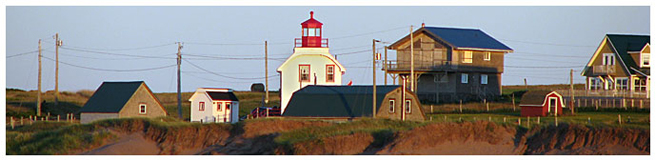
[330,73]
[304,73]
[319,34]
[305,31]
[312,32]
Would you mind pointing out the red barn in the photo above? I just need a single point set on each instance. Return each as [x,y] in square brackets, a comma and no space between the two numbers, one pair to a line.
[541,103]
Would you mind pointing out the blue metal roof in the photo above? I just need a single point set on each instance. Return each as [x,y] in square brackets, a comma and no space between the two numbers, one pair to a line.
[466,38]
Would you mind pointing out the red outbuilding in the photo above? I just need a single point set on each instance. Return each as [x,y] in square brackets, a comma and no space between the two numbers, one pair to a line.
[541,103]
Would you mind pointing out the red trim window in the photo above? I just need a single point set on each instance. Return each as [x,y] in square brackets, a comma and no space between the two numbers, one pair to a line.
[142,108]
[330,73]
[408,106]
[218,106]
[304,72]
[201,106]
[391,105]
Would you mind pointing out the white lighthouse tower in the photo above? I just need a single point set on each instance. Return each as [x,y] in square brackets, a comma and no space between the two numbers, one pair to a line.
[310,64]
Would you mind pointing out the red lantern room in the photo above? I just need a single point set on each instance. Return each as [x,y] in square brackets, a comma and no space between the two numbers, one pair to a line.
[311,34]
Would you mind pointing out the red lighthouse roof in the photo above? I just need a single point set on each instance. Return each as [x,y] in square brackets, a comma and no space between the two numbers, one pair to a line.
[311,22]
[311,32]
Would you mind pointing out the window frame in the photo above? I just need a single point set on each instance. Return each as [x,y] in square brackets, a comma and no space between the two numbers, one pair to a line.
[145,108]
[330,75]
[619,85]
[484,77]
[595,83]
[608,59]
[300,73]
[312,32]
[318,32]
[201,106]
[305,32]
[219,106]
[408,106]
[464,78]
[469,59]
[391,105]
[487,56]
[642,59]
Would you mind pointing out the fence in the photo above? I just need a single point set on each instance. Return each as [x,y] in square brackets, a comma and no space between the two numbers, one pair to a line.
[21,121]
[608,102]
[605,93]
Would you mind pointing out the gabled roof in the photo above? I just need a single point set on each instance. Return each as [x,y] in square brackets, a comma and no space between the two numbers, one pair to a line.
[336,101]
[460,38]
[623,43]
[222,96]
[537,98]
[110,97]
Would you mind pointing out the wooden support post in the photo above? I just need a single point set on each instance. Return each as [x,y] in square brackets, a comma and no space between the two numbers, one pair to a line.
[632,100]
[487,105]
[519,121]
[513,101]
[444,118]
[538,120]
[640,104]
[596,105]
[11,120]
[21,121]
[460,106]
[475,119]
[489,118]
[58,118]
[556,120]
[504,119]
[431,108]
[460,119]
[624,103]
[431,118]
[619,119]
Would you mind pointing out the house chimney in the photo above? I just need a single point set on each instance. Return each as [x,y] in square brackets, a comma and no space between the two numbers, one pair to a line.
[423,25]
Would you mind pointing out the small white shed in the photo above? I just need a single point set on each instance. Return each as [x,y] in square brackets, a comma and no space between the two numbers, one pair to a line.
[214,105]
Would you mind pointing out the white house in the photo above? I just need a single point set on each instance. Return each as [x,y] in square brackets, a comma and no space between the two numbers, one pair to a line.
[214,105]
[310,64]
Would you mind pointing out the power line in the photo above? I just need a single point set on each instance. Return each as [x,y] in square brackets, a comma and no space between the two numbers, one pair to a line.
[112,70]
[542,60]
[208,71]
[368,33]
[545,67]
[214,80]
[124,49]
[542,43]
[109,53]
[234,44]
[15,55]
[573,56]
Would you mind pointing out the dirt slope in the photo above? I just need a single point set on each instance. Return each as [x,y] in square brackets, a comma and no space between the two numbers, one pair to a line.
[257,137]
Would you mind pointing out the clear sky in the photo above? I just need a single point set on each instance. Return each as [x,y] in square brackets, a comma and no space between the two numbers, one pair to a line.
[120,43]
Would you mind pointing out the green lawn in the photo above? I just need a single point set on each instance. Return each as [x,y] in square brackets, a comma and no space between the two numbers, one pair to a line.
[629,119]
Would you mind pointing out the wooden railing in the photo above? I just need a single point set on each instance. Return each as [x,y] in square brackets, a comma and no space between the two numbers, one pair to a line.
[419,65]
[603,69]
[605,93]
[298,42]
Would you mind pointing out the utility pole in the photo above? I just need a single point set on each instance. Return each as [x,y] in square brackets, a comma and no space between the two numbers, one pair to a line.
[38,94]
[385,65]
[412,62]
[266,72]
[525,84]
[373,48]
[571,90]
[57,44]
[179,94]
[403,79]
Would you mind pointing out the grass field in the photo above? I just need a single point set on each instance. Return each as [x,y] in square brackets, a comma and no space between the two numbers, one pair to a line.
[629,119]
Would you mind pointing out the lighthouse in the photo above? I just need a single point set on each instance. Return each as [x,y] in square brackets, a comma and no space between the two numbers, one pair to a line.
[310,64]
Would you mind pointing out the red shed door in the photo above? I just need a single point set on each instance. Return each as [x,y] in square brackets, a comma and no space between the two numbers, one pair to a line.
[553,105]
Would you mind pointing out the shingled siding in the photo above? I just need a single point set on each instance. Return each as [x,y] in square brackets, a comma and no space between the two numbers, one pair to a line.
[142,96]
[90,117]
[416,113]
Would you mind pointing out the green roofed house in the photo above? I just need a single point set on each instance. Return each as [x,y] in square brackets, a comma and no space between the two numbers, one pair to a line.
[620,65]
[353,102]
[120,100]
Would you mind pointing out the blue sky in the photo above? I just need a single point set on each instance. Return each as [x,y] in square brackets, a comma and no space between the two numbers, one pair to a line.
[101,43]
